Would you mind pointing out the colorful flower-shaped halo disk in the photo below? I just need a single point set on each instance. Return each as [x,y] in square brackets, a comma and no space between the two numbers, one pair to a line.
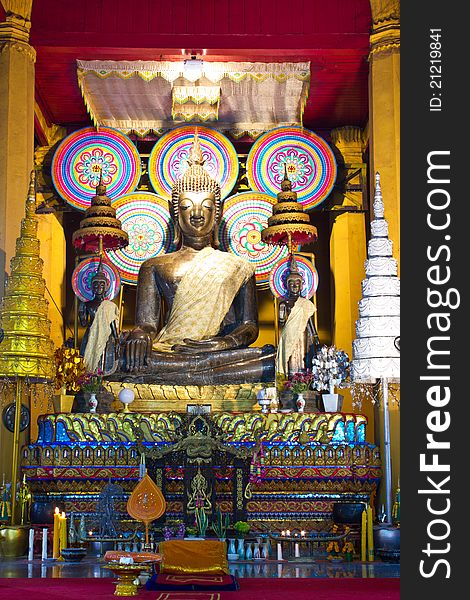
[278,276]
[84,273]
[169,158]
[311,165]
[245,216]
[146,218]
[83,154]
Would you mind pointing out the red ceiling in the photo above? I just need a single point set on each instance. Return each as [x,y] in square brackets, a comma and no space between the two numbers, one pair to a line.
[332,34]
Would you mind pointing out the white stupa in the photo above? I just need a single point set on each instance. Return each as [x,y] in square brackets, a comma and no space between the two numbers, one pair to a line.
[375,354]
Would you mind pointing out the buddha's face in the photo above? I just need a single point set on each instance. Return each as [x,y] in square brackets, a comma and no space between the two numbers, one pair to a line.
[294,285]
[98,287]
[196,213]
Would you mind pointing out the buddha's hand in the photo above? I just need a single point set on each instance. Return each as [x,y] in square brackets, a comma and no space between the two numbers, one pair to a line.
[137,347]
[212,344]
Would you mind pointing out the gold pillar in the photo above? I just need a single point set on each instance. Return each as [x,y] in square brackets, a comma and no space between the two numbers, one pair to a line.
[384,109]
[17,60]
[347,256]
[348,249]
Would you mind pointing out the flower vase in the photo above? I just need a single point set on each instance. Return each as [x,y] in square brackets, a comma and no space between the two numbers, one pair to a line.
[249,552]
[300,402]
[256,551]
[92,402]
[241,548]
[265,547]
[232,551]
[332,402]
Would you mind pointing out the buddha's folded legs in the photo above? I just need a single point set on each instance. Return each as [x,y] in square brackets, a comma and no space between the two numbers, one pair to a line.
[240,365]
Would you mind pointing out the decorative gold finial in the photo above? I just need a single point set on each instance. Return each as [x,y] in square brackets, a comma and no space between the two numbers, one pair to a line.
[286,184]
[31,198]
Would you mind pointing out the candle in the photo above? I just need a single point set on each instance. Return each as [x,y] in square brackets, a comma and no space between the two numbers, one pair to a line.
[63,532]
[55,538]
[44,544]
[288,532]
[279,551]
[283,533]
[31,545]
[370,535]
[363,535]
[296,550]
[302,533]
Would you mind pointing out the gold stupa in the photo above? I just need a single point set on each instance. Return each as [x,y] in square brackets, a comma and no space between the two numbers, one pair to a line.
[26,350]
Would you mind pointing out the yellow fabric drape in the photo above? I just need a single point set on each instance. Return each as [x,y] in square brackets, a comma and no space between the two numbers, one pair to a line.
[204,296]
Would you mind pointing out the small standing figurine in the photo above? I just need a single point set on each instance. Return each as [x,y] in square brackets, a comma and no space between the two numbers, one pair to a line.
[100,317]
[5,504]
[24,499]
[299,341]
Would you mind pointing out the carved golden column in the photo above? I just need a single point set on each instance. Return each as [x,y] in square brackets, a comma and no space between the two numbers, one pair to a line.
[384,109]
[348,238]
[17,60]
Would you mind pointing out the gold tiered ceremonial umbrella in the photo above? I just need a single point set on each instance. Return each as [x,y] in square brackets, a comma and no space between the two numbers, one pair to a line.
[289,225]
[26,352]
[100,229]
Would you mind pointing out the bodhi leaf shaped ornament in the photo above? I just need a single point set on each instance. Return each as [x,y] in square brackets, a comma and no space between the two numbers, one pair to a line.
[146,503]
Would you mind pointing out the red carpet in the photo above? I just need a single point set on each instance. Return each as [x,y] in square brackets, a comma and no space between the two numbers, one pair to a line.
[250,589]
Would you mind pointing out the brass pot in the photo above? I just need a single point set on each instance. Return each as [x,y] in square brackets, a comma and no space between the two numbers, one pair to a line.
[14,540]
[63,403]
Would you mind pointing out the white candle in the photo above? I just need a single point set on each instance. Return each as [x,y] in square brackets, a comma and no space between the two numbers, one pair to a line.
[31,545]
[44,544]
[296,550]
[279,551]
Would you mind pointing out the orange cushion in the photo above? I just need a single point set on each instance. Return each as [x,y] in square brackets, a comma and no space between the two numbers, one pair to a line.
[194,556]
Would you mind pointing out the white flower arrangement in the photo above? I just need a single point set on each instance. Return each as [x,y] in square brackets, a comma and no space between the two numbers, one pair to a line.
[330,369]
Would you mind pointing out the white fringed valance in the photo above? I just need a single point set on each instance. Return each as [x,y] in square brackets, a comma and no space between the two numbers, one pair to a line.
[138,96]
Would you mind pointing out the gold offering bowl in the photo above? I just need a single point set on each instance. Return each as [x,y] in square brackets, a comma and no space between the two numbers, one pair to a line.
[126,575]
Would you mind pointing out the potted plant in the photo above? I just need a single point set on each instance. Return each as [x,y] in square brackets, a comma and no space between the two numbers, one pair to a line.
[91,383]
[299,383]
[69,367]
[241,529]
[191,532]
[330,369]
[201,521]
[220,524]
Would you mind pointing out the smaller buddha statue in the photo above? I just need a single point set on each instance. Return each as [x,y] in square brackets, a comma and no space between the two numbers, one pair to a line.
[299,340]
[100,317]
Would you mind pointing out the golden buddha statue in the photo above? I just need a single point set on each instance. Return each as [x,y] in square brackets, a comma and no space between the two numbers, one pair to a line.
[196,309]
[299,338]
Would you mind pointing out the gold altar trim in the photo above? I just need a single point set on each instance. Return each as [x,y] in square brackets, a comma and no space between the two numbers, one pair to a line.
[153,398]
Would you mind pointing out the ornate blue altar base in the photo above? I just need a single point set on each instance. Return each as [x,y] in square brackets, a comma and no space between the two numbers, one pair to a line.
[311,460]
